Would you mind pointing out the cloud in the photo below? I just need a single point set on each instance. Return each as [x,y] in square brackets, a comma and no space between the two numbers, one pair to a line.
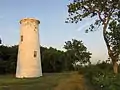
[86,23]
[85,26]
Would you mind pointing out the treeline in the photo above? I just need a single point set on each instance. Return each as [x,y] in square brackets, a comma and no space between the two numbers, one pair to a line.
[8,59]
[53,60]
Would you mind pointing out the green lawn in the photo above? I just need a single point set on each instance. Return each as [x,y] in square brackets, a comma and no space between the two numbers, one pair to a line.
[46,82]
[49,81]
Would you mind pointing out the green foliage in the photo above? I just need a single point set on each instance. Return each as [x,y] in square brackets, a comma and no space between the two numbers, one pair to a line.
[101,76]
[8,57]
[77,52]
[52,59]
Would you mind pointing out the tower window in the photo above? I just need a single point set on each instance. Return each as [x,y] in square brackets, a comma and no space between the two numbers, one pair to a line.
[21,38]
[35,29]
[35,53]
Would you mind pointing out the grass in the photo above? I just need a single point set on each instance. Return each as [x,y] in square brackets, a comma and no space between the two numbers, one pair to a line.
[75,82]
[49,81]
[46,82]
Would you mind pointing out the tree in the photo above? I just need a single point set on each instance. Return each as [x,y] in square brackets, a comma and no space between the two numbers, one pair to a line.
[106,11]
[113,37]
[52,59]
[8,57]
[77,52]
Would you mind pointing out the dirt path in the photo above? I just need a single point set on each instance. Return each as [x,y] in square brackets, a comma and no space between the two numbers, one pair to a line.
[74,82]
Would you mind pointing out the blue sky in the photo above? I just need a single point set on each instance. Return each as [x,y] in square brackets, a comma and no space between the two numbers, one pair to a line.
[53,29]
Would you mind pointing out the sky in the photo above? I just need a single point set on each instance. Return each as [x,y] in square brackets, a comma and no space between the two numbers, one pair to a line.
[52,29]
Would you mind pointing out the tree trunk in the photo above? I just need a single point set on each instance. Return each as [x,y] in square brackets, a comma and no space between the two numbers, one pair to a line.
[110,53]
[115,67]
[114,61]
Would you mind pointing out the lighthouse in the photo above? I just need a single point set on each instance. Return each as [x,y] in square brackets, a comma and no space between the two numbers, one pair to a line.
[29,58]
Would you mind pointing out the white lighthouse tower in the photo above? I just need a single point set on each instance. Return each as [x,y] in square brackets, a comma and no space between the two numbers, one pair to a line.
[29,60]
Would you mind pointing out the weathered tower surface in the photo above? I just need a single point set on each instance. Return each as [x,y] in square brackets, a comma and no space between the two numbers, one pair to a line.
[29,58]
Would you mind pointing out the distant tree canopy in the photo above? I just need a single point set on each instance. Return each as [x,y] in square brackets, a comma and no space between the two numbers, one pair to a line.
[77,52]
[8,58]
[52,60]
[108,16]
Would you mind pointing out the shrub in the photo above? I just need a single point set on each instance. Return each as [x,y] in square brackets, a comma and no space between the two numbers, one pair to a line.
[102,76]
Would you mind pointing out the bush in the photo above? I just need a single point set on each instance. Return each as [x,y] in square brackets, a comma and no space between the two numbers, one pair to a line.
[102,76]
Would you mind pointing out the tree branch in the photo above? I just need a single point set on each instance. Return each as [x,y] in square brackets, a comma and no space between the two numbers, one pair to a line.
[99,14]
[92,10]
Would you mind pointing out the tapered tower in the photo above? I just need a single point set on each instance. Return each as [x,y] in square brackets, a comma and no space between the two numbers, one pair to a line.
[29,58]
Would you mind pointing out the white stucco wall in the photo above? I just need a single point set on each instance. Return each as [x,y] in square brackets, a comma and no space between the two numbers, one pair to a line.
[27,64]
